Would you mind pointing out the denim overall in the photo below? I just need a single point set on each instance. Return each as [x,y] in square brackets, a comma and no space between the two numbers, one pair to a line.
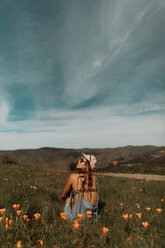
[82,205]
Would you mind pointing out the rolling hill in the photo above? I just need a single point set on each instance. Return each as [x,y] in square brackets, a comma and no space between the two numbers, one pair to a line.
[130,158]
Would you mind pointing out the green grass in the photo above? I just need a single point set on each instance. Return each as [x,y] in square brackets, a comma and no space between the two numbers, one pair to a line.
[54,232]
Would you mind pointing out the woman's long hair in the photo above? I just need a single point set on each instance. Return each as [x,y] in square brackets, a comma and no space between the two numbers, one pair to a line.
[88,182]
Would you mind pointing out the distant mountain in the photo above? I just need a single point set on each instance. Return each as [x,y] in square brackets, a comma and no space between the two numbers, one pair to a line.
[129,158]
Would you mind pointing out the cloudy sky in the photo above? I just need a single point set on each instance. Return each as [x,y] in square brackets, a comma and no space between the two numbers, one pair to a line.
[82,73]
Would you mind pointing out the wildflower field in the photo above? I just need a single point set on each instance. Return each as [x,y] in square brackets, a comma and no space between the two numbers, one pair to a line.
[132,212]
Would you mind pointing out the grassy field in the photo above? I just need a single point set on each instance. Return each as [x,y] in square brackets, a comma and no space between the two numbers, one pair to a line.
[39,190]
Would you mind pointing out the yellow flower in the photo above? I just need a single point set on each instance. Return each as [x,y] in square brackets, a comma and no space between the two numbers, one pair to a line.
[145,224]
[104,230]
[37,216]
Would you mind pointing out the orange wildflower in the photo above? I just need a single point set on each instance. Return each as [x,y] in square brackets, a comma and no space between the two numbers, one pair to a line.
[6,226]
[16,206]
[80,216]
[145,224]
[63,216]
[25,217]
[130,216]
[19,212]
[76,225]
[139,215]
[114,162]
[137,205]
[19,244]
[121,204]
[89,213]
[162,200]
[104,230]
[19,184]
[37,216]
[41,242]
[159,210]
[1,219]
[148,209]
[3,210]
[10,222]
[125,216]
[140,190]
[7,220]
[34,187]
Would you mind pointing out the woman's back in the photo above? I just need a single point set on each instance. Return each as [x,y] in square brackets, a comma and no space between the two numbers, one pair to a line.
[89,193]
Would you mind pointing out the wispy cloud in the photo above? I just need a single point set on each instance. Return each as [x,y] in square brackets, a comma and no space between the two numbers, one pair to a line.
[79,65]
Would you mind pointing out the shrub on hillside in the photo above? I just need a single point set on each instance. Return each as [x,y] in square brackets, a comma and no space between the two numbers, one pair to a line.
[7,159]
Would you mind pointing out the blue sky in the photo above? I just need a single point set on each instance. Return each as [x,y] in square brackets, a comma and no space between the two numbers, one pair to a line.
[82,73]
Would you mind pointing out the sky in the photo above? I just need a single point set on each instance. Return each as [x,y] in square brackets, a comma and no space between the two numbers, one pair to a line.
[82,73]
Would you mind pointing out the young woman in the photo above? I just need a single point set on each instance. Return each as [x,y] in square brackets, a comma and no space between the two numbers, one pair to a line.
[81,190]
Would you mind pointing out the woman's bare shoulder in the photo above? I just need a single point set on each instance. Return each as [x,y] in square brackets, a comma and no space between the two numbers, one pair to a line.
[73,175]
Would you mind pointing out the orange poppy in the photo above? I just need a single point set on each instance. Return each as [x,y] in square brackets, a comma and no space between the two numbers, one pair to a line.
[34,187]
[7,220]
[63,216]
[19,244]
[159,210]
[140,190]
[6,226]
[1,219]
[80,216]
[130,216]
[139,215]
[137,205]
[76,225]
[145,224]
[114,162]
[162,200]
[125,216]
[10,222]
[3,210]
[19,212]
[37,216]
[148,209]
[121,204]
[41,242]
[104,230]
[89,213]
[16,206]
[25,217]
